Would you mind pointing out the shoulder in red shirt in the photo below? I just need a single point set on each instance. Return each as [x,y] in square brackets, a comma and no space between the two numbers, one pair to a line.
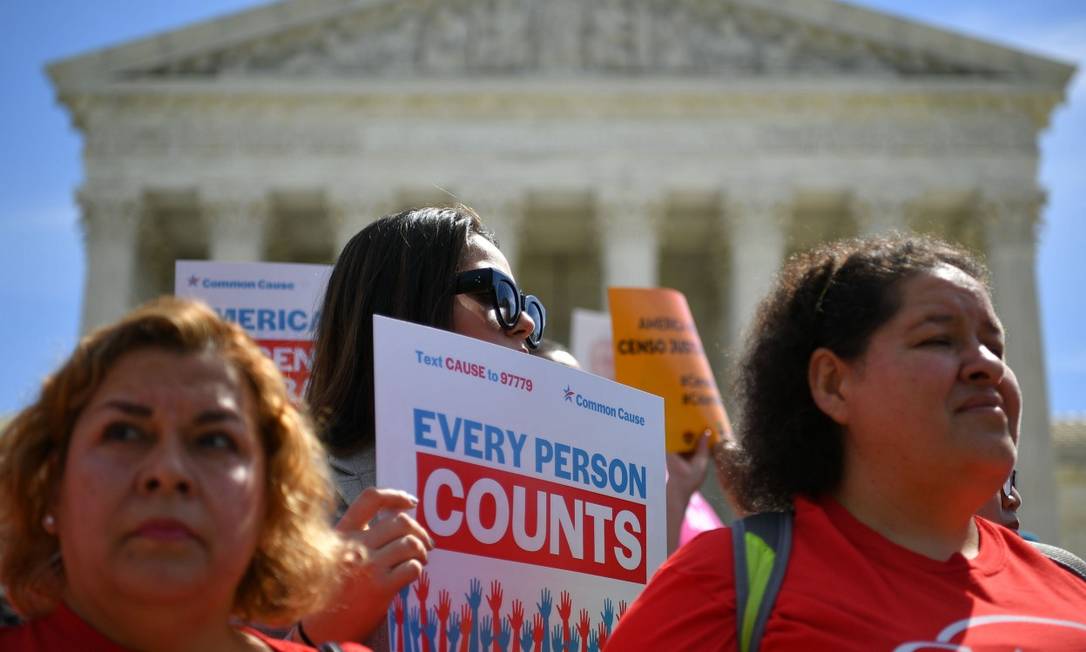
[64,631]
[849,588]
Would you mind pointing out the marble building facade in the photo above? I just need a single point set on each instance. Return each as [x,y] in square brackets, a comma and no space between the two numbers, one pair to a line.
[687,143]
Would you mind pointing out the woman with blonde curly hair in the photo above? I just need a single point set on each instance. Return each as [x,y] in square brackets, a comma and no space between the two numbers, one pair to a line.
[162,487]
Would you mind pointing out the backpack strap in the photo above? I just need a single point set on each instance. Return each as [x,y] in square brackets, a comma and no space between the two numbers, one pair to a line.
[1066,559]
[761,545]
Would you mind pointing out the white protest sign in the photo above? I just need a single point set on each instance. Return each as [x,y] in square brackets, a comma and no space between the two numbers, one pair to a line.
[542,486]
[276,303]
[590,341]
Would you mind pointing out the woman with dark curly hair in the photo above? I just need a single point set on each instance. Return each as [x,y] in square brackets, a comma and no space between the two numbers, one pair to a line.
[875,399]
[162,487]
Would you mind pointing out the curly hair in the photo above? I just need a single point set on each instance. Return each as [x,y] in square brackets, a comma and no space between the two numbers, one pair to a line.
[404,266]
[834,296]
[298,555]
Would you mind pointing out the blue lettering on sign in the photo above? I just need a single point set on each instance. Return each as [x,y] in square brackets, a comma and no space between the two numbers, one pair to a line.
[471,439]
[484,441]
[270,320]
[421,428]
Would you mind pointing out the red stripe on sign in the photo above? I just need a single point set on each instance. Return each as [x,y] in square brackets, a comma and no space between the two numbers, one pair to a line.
[484,511]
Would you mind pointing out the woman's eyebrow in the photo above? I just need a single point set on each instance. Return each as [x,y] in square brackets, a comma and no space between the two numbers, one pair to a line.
[215,416]
[128,407]
[933,318]
[994,327]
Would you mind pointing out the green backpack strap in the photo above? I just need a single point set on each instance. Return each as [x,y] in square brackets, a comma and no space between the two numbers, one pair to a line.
[1065,558]
[761,544]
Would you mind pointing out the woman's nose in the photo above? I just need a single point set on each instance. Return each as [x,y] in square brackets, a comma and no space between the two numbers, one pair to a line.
[1013,502]
[165,470]
[524,327]
[984,366]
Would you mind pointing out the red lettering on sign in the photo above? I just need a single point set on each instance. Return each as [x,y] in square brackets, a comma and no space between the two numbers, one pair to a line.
[294,358]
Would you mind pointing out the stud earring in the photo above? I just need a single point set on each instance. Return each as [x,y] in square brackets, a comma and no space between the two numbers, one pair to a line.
[49,523]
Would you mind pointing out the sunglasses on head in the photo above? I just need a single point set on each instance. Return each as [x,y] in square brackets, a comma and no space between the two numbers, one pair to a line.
[508,302]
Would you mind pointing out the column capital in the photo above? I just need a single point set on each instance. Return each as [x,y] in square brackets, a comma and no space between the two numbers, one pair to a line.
[504,207]
[503,213]
[234,208]
[880,210]
[358,206]
[109,215]
[770,204]
[617,211]
[1012,218]
[629,223]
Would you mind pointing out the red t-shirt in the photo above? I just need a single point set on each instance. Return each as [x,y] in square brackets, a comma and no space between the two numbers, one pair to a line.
[849,588]
[64,631]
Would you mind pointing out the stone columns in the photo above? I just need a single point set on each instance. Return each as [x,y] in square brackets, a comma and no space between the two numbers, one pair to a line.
[757,238]
[880,212]
[110,222]
[1011,224]
[351,212]
[504,215]
[236,224]
[629,241]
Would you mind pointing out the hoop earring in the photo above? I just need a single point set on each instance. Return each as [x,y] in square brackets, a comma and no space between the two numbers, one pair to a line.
[49,523]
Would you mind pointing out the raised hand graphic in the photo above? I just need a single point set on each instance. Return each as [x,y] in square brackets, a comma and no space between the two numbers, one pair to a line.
[583,625]
[504,636]
[556,639]
[494,601]
[565,608]
[404,594]
[544,606]
[593,642]
[474,598]
[422,590]
[526,639]
[538,627]
[416,629]
[608,613]
[397,611]
[466,626]
[486,634]
[444,607]
[452,632]
[429,631]
[516,620]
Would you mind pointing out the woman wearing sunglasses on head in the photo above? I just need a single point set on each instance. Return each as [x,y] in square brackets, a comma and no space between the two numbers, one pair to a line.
[434,266]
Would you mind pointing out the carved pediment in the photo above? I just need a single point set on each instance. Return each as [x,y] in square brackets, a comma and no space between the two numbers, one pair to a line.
[465,38]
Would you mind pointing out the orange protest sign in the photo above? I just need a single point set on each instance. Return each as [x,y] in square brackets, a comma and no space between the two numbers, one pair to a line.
[657,349]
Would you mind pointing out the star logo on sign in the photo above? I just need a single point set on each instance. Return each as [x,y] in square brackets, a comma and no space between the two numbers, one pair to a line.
[568,393]
[193,281]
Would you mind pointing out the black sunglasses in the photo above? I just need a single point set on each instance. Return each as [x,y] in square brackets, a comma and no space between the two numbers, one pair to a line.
[1010,483]
[508,302]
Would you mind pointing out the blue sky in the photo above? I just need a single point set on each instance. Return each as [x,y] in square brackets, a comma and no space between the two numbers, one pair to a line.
[41,256]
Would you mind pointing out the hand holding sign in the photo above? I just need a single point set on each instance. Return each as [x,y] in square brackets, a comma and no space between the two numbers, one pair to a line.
[392,552]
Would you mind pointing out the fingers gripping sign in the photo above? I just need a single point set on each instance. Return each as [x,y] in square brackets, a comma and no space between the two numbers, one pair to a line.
[391,549]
